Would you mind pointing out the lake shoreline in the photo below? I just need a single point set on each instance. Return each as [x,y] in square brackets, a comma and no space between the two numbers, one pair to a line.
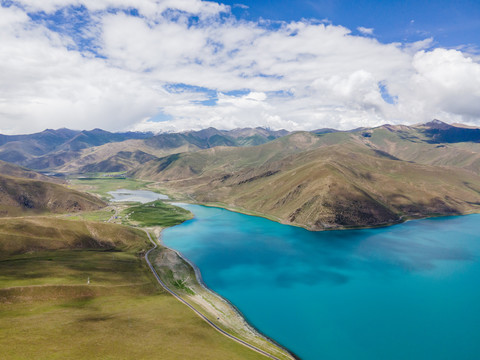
[215,296]
[266,268]
[173,269]
[270,294]
[243,211]
[201,283]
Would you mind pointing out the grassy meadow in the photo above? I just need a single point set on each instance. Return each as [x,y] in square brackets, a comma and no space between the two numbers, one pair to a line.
[81,290]
[156,213]
[100,215]
[101,184]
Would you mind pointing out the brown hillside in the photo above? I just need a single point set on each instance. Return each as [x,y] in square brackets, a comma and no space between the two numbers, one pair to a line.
[25,196]
[413,144]
[21,172]
[317,185]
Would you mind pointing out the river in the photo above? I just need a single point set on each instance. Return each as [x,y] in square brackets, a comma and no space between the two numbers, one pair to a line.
[409,291]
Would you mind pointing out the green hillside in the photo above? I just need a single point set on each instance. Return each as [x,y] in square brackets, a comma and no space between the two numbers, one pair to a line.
[156,213]
[80,290]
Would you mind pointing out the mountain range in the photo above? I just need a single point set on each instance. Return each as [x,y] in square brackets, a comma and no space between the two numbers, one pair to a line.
[324,179]
[71,150]
[328,181]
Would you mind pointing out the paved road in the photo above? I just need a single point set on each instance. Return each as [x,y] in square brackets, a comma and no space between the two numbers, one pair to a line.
[198,312]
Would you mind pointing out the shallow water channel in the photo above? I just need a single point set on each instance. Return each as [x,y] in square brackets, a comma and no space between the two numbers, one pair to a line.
[142,196]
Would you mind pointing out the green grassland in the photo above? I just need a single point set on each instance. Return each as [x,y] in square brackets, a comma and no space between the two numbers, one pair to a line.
[101,185]
[156,213]
[100,215]
[48,310]
[130,326]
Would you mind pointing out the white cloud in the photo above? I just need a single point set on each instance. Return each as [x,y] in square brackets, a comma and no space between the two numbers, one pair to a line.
[45,85]
[450,80]
[299,75]
[365,31]
[241,6]
[416,46]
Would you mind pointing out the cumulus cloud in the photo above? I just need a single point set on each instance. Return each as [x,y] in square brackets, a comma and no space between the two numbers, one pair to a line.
[450,80]
[197,65]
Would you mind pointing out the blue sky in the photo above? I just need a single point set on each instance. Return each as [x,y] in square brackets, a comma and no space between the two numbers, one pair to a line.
[451,23]
[170,65]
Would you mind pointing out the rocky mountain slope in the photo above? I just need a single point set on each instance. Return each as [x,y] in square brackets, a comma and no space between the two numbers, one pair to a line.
[433,143]
[327,181]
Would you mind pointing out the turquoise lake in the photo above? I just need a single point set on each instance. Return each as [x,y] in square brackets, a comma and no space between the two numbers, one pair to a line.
[409,291]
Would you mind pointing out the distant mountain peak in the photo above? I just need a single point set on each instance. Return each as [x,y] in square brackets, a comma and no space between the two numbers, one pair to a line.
[437,124]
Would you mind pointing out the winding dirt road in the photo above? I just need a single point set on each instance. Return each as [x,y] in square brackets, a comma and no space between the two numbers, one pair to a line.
[254,348]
